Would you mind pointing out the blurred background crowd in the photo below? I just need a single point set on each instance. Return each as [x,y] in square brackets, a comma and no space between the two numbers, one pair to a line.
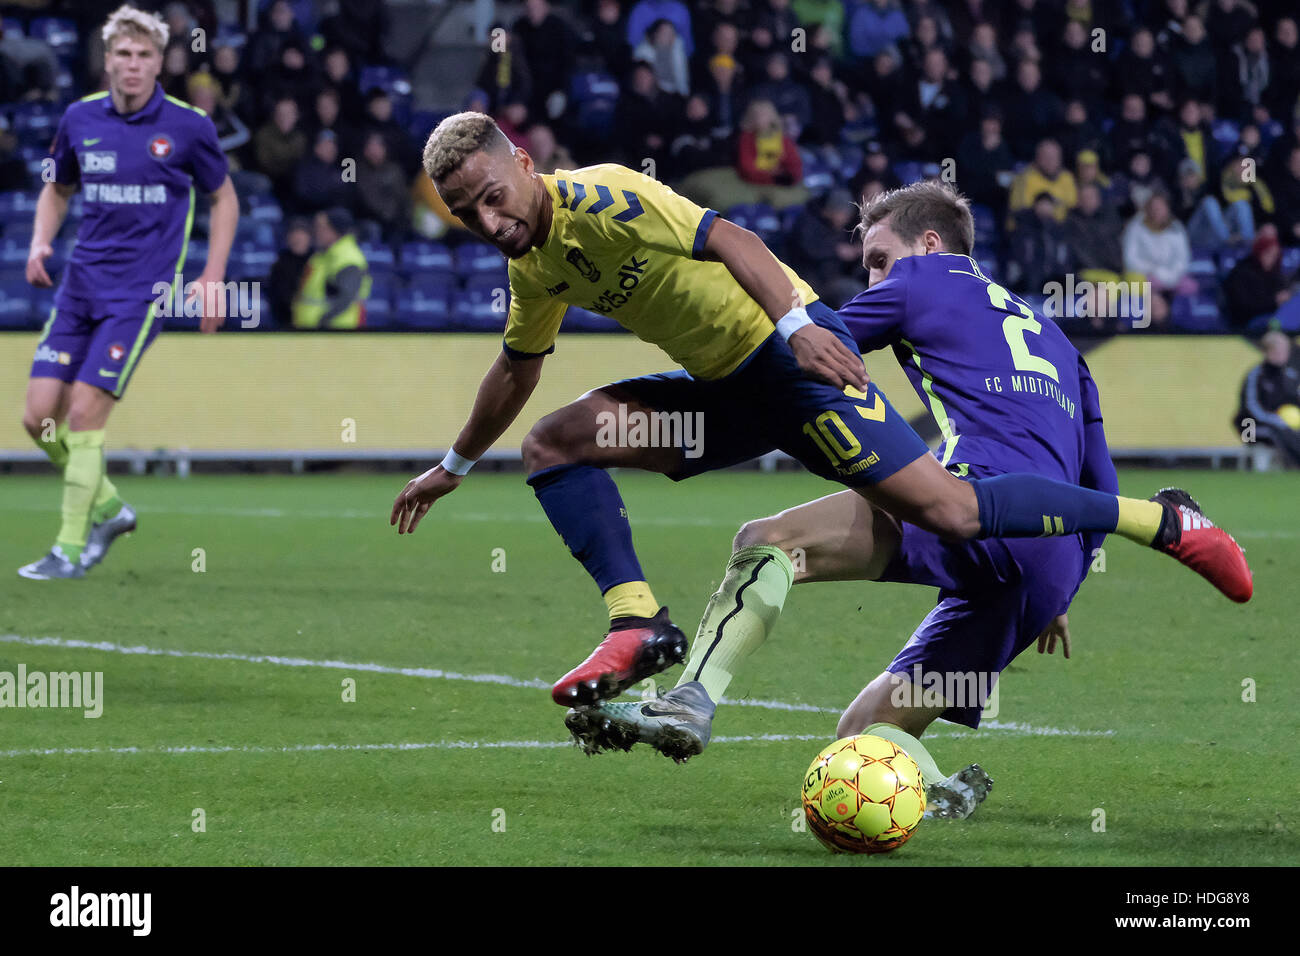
[1102,142]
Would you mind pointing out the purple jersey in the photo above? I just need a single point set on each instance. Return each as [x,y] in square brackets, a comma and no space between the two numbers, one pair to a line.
[137,175]
[1007,389]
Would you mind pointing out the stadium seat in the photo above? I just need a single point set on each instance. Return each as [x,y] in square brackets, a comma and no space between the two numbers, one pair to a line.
[379,257]
[424,304]
[1230,257]
[1202,265]
[480,307]
[986,224]
[908,172]
[1290,259]
[13,250]
[264,208]
[1198,313]
[59,33]
[393,81]
[379,306]
[16,308]
[1226,132]
[248,183]
[593,99]
[18,204]
[250,261]
[422,256]
[818,177]
[254,231]
[478,258]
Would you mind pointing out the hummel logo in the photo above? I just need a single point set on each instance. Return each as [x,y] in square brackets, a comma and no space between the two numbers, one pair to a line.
[91,142]
[556,289]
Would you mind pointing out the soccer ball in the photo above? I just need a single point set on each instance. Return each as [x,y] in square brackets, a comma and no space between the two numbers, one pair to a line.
[863,794]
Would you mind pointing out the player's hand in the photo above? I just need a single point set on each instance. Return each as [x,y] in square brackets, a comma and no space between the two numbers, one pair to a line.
[419,495]
[821,354]
[36,274]
[1058,630]
[210,292]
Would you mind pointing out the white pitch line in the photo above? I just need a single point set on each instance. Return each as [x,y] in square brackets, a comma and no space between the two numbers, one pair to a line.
[319,748]
[503,679]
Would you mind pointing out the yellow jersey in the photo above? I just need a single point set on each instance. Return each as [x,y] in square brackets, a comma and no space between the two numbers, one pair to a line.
[625,245]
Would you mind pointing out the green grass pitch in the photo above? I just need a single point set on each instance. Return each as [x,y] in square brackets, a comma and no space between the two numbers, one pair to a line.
[1146,724]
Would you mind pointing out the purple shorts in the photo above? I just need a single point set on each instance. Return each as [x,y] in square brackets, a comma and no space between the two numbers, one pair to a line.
[97,343]
[995,598]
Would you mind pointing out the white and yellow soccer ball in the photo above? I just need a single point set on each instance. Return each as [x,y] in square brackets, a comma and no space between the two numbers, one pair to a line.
[863,794]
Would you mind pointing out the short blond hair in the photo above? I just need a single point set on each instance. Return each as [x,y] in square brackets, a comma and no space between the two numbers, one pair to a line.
[458,137]
[127,20]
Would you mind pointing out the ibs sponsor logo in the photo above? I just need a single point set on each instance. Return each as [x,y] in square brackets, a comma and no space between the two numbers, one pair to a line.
[630,275]
[46,354]
[74,908]
[99,161]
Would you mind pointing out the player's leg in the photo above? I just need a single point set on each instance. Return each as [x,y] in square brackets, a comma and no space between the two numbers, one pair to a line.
[661,423]
[860,440]
[839,537]
[44,412]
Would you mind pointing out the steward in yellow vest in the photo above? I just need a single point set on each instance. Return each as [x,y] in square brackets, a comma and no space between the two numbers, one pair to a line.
[336,282]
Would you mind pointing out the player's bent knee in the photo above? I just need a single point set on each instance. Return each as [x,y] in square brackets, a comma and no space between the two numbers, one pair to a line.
[542,447]
[760,531]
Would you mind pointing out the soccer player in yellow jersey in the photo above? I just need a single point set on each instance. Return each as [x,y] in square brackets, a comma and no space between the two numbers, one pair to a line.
[765,365]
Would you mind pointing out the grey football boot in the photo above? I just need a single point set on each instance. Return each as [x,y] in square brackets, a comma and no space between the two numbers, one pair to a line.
[104,533]
[678,724]
[956,796]
[54,565]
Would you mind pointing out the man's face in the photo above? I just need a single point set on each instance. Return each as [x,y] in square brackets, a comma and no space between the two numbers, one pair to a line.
[322,233]
[882,247]
[1048,158]
[1089,200]
[494,195]
[132,66]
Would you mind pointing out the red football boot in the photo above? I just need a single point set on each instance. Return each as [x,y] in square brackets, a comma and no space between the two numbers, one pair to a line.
[1193,540]
[625,657]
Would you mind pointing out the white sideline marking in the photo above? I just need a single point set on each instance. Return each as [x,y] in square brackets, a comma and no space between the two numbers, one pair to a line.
[430,673]
[318,748]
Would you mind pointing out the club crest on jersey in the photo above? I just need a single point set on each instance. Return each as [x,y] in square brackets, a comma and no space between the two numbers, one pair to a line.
[117,351]
[160,147]
[584,265]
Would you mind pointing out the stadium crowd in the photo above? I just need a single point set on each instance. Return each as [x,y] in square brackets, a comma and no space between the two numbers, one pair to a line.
[1101,141]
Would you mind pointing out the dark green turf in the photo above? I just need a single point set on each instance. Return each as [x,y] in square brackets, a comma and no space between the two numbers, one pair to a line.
[307,567]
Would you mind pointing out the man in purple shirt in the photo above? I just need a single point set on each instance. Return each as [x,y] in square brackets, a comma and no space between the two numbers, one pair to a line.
[1015,405]
[137,156]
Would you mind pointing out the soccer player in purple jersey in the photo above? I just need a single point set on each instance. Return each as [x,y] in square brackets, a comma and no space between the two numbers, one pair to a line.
[1010,394]
[137,156]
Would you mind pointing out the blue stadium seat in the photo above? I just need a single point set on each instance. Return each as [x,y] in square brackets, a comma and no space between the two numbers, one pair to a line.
[473,258]
[422,122]
[422,256]
[13,27]
[264,208]
[1290,259]
[59,33]
[424,304]
[379,257]
[818,177]
[250,261]
[13,250]
[1226,132]
[393,81]
[255,232]
[250,183]
[594,99]
[17,203]
[1203,265]
[1198,313]
[1230,257]
[986,224]
[16,309]
[379,304]
[475,307]
[908,172]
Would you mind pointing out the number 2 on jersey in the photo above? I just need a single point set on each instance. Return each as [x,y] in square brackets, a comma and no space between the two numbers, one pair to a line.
[1014,328]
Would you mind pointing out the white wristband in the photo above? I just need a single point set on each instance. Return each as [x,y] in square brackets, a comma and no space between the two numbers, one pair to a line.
[457,465]
[792,322]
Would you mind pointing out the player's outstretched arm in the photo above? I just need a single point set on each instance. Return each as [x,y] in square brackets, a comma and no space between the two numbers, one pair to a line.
[51,208]
[225,217]
[819,352]
[502,395]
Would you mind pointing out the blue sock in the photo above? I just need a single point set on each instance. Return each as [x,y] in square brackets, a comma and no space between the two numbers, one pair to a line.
[1026,506]
[585,507]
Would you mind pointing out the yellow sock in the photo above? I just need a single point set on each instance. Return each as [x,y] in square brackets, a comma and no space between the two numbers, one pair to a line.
[632,599]
[1139,520]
